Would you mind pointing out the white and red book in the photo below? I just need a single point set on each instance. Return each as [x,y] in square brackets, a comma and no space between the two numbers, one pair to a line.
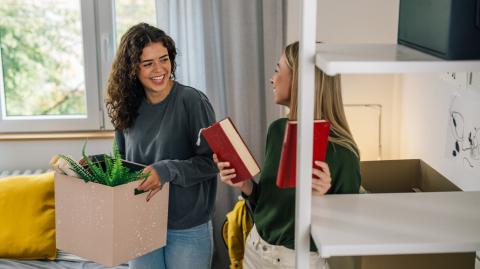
[286,176]
[226,142]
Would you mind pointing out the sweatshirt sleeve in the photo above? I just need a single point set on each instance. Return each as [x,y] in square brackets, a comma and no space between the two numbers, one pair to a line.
[200,167]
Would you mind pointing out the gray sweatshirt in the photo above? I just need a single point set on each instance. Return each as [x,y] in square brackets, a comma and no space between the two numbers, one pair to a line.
[164,135]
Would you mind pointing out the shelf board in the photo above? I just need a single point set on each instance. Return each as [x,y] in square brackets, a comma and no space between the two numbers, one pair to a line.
[384,59]
[396,223]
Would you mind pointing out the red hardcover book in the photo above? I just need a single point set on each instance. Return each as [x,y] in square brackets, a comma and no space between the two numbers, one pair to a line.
[286,176]
[225,141]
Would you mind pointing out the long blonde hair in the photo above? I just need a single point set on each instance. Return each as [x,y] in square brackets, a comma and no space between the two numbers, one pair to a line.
[328,101]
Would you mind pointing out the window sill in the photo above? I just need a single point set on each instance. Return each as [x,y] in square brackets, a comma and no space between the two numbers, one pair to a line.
[57,136]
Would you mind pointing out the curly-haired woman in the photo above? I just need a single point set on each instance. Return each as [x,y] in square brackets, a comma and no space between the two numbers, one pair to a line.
[157,121]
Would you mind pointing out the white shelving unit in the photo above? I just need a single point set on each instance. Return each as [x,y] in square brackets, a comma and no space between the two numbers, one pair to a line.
[348,59]
[383,59]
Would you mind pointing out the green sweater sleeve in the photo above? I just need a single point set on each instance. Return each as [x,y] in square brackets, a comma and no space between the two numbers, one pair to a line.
[345,170]
[272,156]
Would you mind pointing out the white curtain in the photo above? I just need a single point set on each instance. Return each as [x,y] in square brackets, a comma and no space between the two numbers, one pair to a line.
[229,49]
[183,21]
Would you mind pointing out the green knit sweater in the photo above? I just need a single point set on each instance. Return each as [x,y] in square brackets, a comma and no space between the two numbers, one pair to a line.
[274,213]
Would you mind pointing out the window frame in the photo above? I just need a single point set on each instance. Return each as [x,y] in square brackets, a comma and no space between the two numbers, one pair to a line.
[95,57]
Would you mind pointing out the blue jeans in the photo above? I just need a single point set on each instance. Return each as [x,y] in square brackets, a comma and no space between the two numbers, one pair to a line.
[185,249]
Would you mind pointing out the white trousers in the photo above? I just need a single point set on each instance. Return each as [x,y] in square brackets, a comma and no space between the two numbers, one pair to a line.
[261,255]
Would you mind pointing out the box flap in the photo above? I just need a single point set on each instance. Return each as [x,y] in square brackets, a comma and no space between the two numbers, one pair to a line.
[389,176]
[431,180]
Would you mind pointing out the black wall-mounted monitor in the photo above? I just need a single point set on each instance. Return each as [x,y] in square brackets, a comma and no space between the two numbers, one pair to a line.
[449,29]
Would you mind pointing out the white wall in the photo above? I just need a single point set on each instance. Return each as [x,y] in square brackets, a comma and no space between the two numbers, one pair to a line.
[373,89]
[427,129]
[37,154]
[349,21]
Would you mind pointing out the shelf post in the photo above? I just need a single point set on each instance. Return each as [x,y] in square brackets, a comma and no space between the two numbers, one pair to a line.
[306,100]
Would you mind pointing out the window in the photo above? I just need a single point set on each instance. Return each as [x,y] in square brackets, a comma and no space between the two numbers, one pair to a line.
[40,74]
[43,57]
[131,12]
[55,56]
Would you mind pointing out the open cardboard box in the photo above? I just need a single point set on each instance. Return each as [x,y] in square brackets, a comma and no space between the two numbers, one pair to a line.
[108,225]
[394,176]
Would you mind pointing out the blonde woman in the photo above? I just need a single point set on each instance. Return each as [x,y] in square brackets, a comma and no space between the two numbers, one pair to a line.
[271,241]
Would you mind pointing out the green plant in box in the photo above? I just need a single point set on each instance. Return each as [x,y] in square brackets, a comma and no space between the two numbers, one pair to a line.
[111,171]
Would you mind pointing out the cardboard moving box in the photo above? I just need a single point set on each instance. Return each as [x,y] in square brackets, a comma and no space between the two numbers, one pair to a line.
[108,225]
[395,176]
[391,176]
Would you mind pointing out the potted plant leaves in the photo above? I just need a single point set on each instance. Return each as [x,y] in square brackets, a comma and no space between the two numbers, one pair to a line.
[110,170]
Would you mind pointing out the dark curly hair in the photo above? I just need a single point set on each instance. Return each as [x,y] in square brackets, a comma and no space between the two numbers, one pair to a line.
[124,90]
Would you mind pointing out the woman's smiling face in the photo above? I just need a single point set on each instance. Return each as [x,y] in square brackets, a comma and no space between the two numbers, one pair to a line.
[155,71]
[281,82]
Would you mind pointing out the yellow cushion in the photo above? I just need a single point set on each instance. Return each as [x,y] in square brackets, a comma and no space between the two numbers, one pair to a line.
[27,217]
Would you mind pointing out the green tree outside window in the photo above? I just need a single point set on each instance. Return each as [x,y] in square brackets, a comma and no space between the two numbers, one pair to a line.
[42,58]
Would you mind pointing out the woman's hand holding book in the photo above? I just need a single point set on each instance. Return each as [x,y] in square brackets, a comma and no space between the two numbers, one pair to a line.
[226,176]
[321,180]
